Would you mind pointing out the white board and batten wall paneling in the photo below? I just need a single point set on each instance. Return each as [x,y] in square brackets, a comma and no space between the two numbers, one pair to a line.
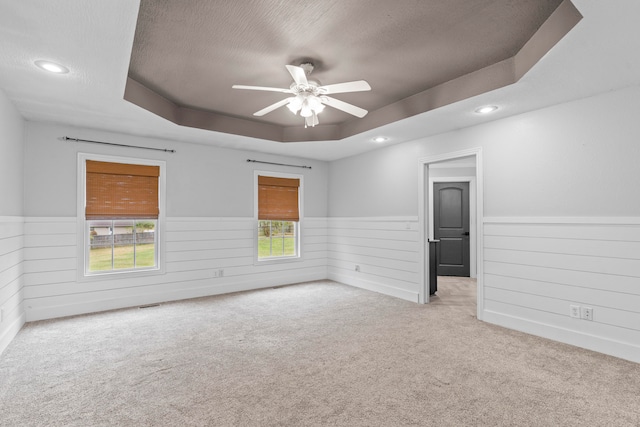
[12,314]
[380,254]
[535,269]
[196,250]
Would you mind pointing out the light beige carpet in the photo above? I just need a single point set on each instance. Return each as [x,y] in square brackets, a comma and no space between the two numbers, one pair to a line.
[314,354]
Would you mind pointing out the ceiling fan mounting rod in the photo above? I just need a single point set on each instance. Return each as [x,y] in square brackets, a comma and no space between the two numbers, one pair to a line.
[307,67]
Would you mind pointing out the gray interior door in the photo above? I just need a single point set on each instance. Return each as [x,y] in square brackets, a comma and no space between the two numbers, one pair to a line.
[451,227]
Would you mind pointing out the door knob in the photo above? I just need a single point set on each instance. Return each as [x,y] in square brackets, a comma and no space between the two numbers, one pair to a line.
[466,233]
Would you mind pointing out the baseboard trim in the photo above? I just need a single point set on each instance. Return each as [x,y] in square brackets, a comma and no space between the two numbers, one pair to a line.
[208,288]
[595,343]
[11,331]
[374,287]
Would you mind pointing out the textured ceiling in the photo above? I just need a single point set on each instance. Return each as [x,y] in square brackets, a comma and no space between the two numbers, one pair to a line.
[184,60]
[95,39]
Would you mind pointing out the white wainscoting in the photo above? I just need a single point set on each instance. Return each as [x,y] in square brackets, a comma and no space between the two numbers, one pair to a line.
[11,278]
[534,269]
[386,250]
[196,249]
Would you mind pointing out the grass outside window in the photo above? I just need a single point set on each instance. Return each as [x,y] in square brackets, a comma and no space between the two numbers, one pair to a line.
[100,258]
[121,245]
[277,239]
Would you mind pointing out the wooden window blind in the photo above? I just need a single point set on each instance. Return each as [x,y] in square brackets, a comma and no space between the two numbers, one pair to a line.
[278,199]
[120,190]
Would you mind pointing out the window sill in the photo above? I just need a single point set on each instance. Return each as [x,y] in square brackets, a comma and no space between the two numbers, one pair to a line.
[275,260]
[113,275]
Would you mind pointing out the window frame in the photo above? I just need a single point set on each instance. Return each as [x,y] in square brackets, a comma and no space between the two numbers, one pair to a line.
[83,227]
[299,225]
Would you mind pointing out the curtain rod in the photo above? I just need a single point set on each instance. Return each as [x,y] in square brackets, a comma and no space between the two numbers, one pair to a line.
[66,138]
[279,164]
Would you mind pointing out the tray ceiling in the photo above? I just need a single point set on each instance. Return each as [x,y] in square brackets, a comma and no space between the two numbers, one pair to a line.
[416,55]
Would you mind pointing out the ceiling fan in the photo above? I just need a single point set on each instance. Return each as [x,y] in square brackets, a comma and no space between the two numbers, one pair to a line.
[310,97]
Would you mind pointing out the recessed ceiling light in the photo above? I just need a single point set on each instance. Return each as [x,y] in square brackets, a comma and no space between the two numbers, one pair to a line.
[486,109]
[380,139]
[52,67]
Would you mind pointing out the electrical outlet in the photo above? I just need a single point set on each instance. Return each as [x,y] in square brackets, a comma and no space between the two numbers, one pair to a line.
[214,273]
[358,268]
[574,311]
[220,273]
[587,313]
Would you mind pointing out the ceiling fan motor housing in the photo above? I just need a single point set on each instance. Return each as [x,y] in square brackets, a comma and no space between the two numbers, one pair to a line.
[312,84]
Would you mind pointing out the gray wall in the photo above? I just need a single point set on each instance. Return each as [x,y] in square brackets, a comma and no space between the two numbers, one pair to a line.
[202,181]
[11,221]
[207,244]
[574,159]
[561,221]
[11,158]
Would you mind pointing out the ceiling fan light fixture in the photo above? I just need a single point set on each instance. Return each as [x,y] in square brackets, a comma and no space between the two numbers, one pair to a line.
[311,106]
[306,111]
[315,104]
[295,104]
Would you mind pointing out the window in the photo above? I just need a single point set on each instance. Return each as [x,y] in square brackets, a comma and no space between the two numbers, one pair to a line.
[278,217]
[121,212]
[121,245]
[277,239]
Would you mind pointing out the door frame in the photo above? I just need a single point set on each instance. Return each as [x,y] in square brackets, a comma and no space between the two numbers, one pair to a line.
[472,215]
[423,222]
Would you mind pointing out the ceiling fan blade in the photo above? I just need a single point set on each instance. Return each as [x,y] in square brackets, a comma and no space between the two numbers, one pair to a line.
[272,107]
[298,74]
[344,106]
[270,89]
[357,86]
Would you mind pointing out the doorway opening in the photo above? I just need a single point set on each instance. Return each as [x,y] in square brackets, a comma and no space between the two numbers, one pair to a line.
[447,183]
